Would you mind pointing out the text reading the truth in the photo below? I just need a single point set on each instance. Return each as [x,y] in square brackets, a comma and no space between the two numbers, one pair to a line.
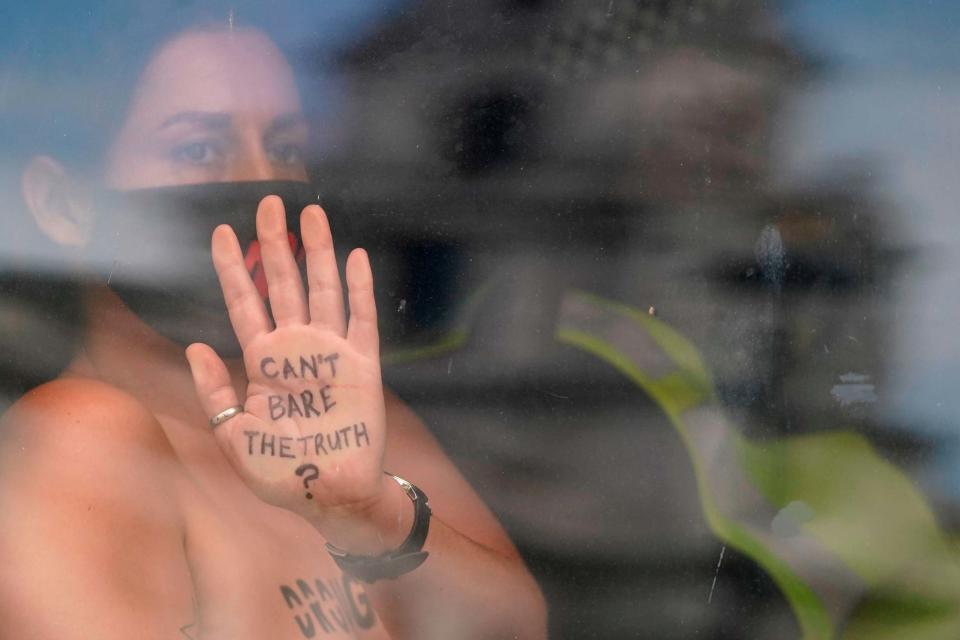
[268,444]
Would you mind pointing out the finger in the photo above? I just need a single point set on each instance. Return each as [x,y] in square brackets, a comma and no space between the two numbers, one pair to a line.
[244,304]
[211,380]
[362,330]
[285,288]
[323,277]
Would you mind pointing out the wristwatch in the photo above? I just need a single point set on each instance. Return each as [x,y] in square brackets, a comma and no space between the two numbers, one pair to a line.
[405,558]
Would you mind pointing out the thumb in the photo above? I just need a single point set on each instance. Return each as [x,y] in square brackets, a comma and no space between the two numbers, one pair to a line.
[215,391]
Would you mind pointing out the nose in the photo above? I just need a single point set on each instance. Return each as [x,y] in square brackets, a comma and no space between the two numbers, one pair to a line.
[251,162]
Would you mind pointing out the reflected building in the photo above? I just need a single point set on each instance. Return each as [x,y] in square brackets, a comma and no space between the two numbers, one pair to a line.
[498,156]
[503,154]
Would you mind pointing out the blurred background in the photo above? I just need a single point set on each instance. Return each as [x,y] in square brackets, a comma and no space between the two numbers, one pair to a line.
[773,181]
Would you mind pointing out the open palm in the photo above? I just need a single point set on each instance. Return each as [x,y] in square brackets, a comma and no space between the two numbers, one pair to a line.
[312,432]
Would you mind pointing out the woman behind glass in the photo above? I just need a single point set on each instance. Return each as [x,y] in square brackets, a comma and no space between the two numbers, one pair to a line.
[126,514]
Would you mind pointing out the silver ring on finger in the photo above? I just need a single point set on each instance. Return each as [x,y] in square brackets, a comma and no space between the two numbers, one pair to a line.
[225,415]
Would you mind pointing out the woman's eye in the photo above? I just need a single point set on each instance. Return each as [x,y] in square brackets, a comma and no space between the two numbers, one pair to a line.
[286,154]
[197,153]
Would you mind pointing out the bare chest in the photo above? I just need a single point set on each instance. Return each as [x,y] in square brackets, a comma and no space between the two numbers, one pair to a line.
[260,572]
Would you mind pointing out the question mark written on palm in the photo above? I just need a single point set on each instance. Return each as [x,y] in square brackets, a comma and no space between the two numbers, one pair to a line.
[314,474]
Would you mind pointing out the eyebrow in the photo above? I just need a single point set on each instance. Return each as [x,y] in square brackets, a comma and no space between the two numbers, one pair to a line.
[285,122]
[219,121]
[207,119]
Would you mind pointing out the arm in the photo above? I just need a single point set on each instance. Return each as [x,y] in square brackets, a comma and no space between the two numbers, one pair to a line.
[494,595]
[474,584]
[91,538]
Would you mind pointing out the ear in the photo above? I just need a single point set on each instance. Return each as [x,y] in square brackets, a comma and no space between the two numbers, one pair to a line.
[60,207]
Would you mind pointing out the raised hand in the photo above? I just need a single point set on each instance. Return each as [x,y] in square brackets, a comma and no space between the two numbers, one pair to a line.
[311,433]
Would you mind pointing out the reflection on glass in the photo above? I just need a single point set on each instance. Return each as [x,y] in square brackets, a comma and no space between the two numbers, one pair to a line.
[665,281]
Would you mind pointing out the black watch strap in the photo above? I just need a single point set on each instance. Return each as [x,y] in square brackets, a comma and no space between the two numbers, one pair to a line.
[405,558]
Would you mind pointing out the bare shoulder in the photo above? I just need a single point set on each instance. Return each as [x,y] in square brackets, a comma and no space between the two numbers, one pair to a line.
[89,496]
[87,435]
[69,406]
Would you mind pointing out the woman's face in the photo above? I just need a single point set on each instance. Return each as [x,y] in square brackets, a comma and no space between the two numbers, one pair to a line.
[211,106]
